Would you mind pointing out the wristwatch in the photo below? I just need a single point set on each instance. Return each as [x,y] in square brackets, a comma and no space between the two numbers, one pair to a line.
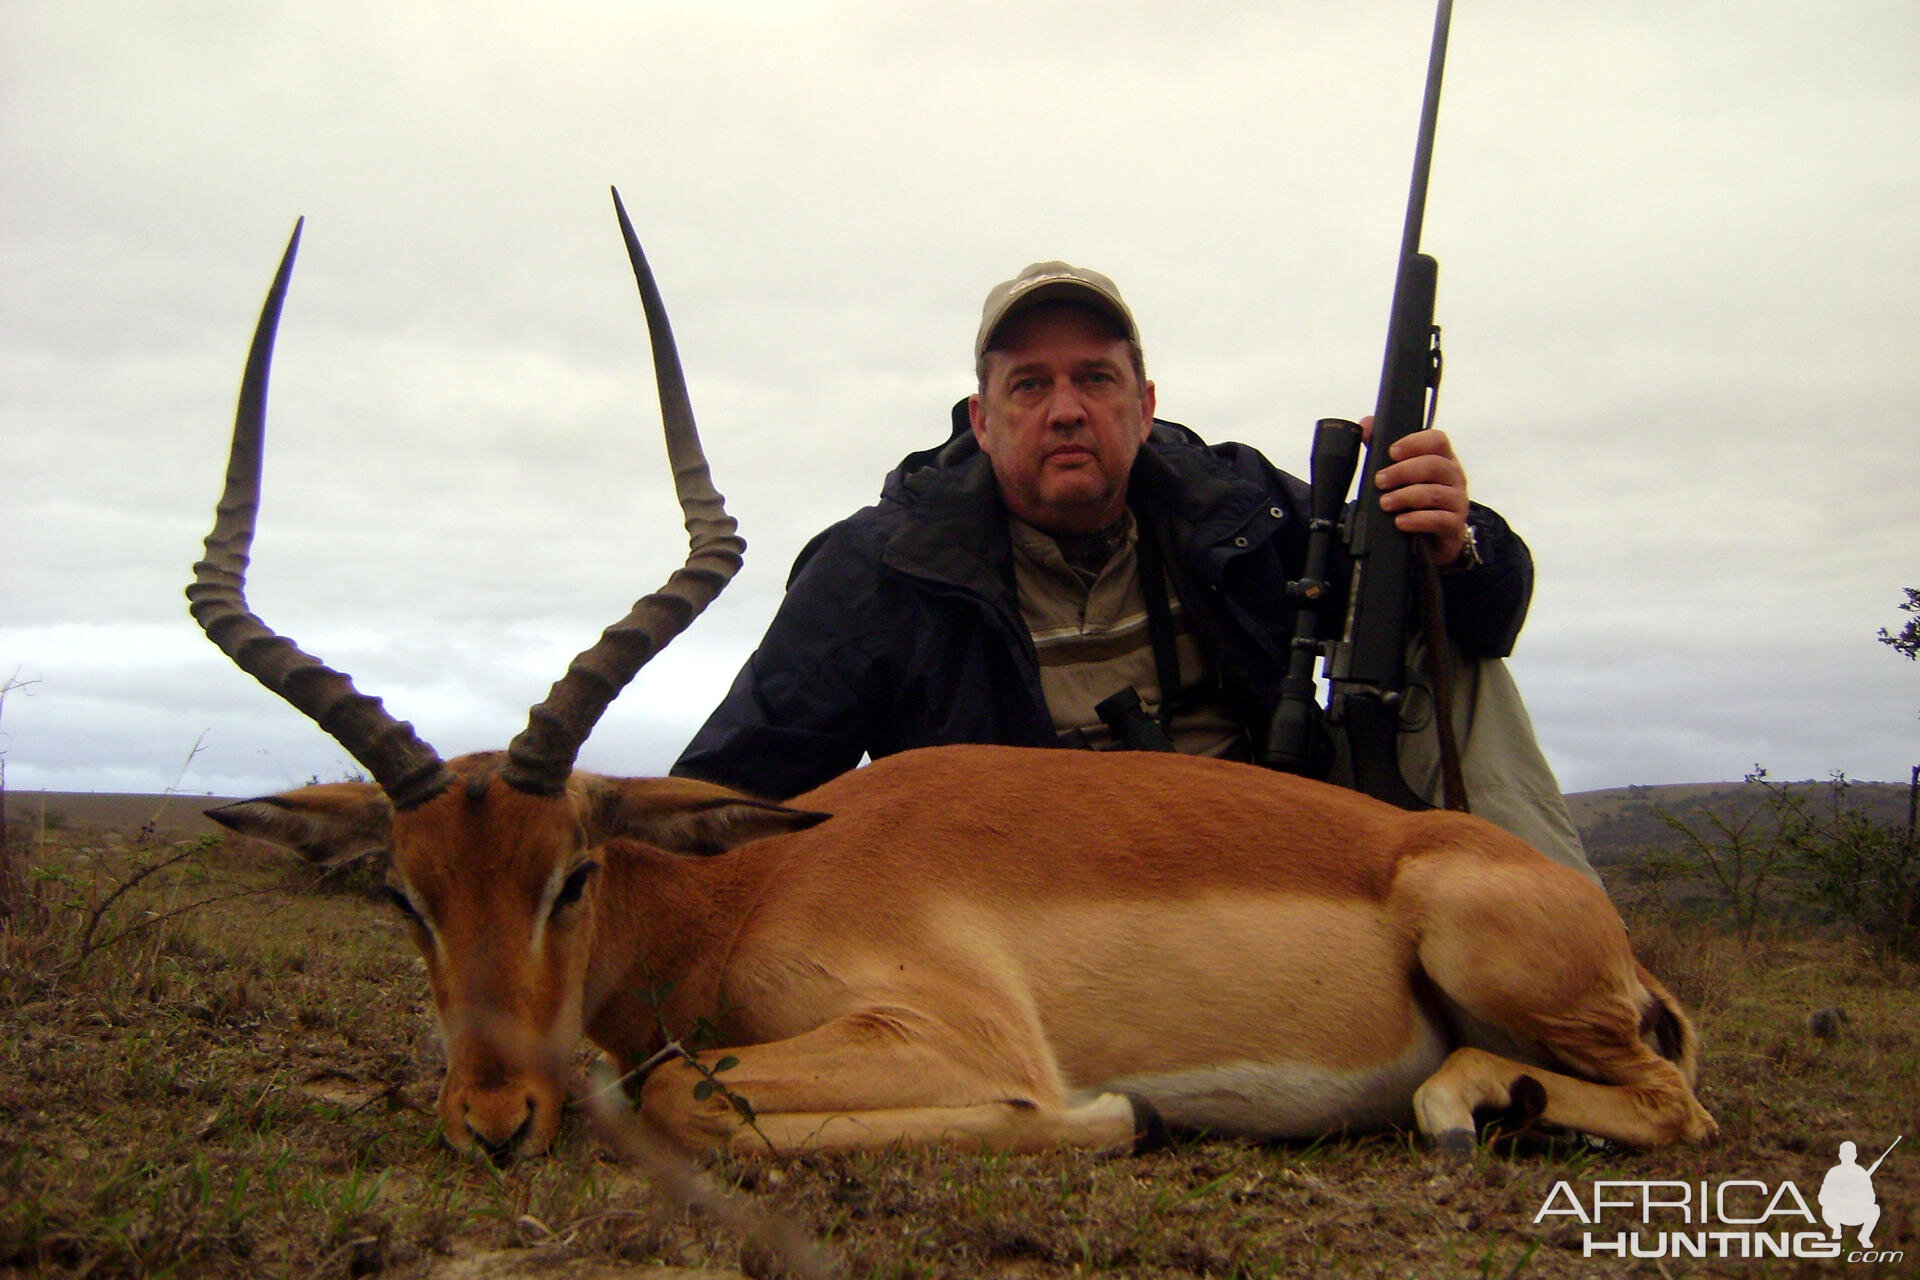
[1469,557]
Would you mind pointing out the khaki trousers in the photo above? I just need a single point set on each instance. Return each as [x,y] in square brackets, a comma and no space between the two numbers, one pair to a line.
[1508,780]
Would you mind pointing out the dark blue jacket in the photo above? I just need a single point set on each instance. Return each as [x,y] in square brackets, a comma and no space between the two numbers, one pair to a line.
[900,626]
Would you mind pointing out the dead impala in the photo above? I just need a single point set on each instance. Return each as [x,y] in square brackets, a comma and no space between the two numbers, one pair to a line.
[992,947]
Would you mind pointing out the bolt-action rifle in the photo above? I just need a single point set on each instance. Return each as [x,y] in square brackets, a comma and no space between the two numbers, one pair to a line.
[1366,662]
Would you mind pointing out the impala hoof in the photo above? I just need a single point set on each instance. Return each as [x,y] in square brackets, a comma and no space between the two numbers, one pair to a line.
[1150,1132]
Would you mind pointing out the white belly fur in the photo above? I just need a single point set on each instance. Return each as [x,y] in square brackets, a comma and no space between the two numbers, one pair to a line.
[1291,1099]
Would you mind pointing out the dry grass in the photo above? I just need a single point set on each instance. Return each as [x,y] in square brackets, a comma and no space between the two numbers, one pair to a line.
[246,1089]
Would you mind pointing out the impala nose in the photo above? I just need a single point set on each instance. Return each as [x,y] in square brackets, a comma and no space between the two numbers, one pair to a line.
[500,1133]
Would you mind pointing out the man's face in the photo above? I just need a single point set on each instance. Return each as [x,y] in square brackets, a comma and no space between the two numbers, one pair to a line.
[1061,417]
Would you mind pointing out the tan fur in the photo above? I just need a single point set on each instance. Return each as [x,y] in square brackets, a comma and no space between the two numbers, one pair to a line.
[981,942]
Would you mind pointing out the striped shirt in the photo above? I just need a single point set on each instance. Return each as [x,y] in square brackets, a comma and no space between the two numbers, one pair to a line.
[1091,635]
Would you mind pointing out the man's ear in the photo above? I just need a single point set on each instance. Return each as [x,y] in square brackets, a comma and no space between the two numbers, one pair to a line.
[977,416]
[330,825]
[683,815]
[1147,403]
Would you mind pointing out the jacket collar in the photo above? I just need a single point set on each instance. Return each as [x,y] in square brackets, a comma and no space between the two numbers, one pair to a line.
[956,533]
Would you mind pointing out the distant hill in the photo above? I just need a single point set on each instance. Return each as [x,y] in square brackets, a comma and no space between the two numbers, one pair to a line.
[1621,823]
[1617,824]
[176,816]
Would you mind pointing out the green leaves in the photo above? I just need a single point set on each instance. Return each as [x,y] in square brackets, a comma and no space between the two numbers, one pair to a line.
[702,1034]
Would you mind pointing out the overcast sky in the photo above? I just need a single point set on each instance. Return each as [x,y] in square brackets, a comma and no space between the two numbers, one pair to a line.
[1678,285]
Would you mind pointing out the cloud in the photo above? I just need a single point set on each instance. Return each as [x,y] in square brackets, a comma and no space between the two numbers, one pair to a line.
[1678,307]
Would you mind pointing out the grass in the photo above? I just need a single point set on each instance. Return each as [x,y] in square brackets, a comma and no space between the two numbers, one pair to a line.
[233,1075]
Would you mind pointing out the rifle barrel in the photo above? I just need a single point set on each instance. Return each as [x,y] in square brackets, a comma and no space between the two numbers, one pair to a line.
[1423,146]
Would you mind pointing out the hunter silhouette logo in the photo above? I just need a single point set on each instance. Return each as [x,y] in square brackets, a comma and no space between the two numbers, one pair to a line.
[1736,1218]
[1846,1194]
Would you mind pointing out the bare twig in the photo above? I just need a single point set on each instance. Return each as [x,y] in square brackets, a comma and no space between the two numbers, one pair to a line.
[153,823]
[775,1238]
[100,908]
[87,946]
[161,917]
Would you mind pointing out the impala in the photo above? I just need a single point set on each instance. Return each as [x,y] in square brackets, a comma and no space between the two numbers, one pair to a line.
[991,947]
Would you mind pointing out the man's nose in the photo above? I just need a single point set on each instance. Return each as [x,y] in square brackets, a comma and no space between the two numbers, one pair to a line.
[1066,407]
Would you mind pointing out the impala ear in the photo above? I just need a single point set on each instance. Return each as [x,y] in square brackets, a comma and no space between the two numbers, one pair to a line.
[682,815]
[330,825]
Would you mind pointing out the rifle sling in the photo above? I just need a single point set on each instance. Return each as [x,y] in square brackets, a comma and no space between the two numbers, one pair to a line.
[1166,656]
[1433,625]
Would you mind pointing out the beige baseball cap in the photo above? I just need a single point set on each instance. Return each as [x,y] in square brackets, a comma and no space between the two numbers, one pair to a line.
[1048,281]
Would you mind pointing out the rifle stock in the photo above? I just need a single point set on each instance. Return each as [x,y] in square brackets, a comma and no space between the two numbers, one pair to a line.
[1366,669]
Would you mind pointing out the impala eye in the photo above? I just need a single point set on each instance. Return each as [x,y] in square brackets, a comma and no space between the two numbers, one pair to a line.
[575,886]
[401,902]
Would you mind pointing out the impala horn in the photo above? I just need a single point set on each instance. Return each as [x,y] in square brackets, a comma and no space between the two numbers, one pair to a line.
[542,757]
[407,768]
[410,770]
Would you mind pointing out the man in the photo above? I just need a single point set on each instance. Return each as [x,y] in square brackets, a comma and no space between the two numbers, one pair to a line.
[1063,546]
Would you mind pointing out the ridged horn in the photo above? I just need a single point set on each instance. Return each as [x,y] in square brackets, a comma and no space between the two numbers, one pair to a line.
[410,771]
[541,758]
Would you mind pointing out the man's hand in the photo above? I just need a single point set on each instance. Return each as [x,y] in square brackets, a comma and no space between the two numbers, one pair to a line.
[1425,490]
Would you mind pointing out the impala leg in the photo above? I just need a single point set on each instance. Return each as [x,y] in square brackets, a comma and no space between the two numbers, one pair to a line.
[1656,1110]
[875,1079]
[1535,951]
[1106,1123]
